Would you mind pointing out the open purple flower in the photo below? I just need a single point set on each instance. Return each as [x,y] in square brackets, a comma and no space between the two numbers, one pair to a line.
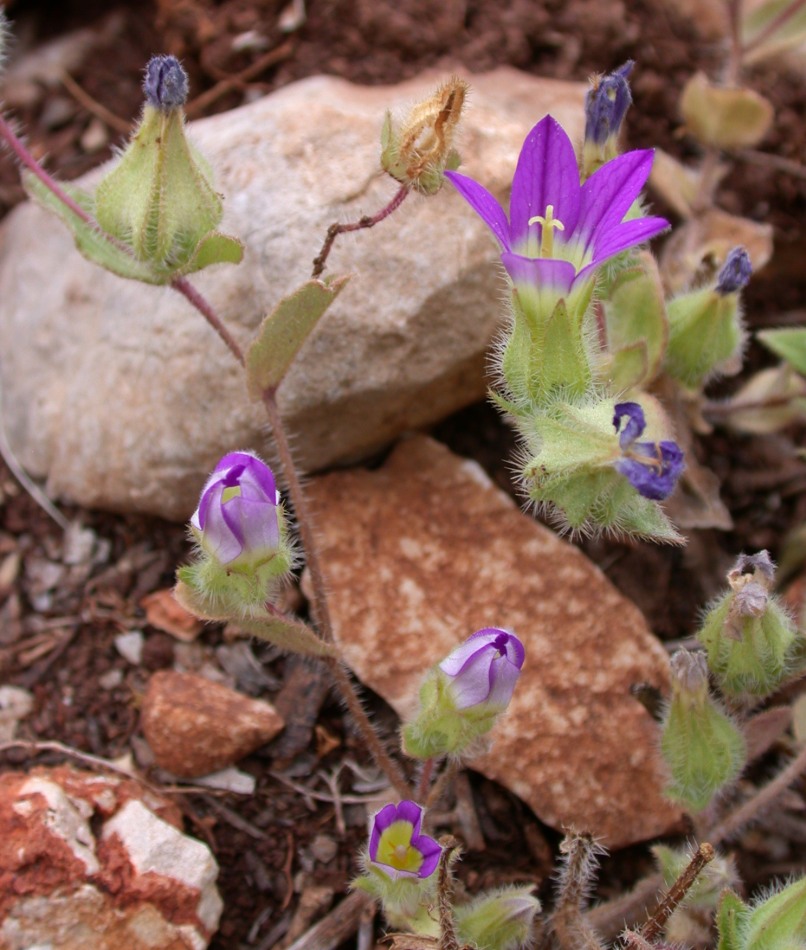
[237,513]
[396,845]
[652,468]
[484,669]
[560,231]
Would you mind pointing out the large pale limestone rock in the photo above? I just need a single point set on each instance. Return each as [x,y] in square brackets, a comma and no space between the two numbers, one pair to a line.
[122,396]
[99,861]
[424,551]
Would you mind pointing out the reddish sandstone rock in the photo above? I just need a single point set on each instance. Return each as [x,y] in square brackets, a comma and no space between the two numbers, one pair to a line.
[424,551]
[99,861]
[195,726]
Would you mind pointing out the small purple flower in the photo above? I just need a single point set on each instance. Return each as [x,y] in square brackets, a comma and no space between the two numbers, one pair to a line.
[735,273]
[396,845]
[166,84]
[559,231]
[237,513]
[652,468]
[484,669]
[607,103]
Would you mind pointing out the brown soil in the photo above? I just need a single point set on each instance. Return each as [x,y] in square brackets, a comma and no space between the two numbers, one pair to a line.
[57,629]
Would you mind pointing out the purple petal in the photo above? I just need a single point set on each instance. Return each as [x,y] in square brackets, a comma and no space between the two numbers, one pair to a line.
[636,422]
[255,521]
[504,676]
[547,174]
[735,273]
[648,479]
[484,204]
[624,235]
[380,823]
[254,472]
[541,272]
[220,538]
[430,850]
[609,193]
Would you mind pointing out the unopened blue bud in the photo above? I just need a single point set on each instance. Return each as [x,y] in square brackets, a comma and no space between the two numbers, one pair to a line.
[735,273]
[607,103]
[166,83]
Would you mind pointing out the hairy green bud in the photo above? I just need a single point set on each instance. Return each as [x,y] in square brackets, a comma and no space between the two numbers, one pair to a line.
[706,336]
[779,922]
[750,639]
[503,919]
[703,749]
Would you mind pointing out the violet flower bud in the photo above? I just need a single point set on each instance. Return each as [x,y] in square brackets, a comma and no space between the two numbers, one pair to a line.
[166,84]
[607,103]
[237,515]
[735,272]
[396,846]
[484,669]
[652,468]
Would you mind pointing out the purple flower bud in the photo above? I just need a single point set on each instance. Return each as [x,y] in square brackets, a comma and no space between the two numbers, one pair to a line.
[735,273]
[396,845]
[237,513]
[484,669]
[606,104]
[166,83]
[652,468]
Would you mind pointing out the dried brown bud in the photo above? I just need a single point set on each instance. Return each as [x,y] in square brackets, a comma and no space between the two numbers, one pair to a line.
[421,148]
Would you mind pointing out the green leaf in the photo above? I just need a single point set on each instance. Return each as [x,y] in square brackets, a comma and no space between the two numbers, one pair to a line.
[789,344]
[91,241]
[730,921]
[287,633]
[215,248]
[625,368]
[283,332]
[635,312]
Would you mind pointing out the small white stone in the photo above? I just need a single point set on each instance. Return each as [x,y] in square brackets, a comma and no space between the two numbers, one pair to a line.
[130,646]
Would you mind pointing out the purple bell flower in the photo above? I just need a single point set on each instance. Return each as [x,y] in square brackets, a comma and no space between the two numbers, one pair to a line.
[396,845]
[484,669]
[237,514]
[560,231]
[652,468]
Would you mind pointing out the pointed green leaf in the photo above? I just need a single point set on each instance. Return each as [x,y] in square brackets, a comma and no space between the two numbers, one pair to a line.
[563,361]
[283,332]
[731,920]
[216,248]
[636,311]
[625,368]
[90,240]
[287,633]
[788,343]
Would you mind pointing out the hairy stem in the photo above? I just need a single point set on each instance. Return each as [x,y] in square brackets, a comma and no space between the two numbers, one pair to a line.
[775,24]
[320,607]
[568,924]
[424,783]
[653,928]
[367,221]
[447,928]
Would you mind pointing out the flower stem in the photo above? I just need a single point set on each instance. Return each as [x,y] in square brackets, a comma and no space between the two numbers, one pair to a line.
[424,783]
[183,286]
[320,607]
[774,24]
[367,221]
[653,928]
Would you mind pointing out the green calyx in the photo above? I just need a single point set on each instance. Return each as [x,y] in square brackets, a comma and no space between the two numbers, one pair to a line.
[748,654]
[159,201]
[705,336]
[703,749]
[440,728]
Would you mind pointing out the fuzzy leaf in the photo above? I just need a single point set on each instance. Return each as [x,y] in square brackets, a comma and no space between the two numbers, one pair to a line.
[731,920]
[215,248]
[635,313]
[288,634]
[723,117]
[788,343]
[90,240]
[283,332]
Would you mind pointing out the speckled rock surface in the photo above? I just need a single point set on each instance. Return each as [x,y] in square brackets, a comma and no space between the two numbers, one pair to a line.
[424,551]
[99,861]
[122,397]
[195,726]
